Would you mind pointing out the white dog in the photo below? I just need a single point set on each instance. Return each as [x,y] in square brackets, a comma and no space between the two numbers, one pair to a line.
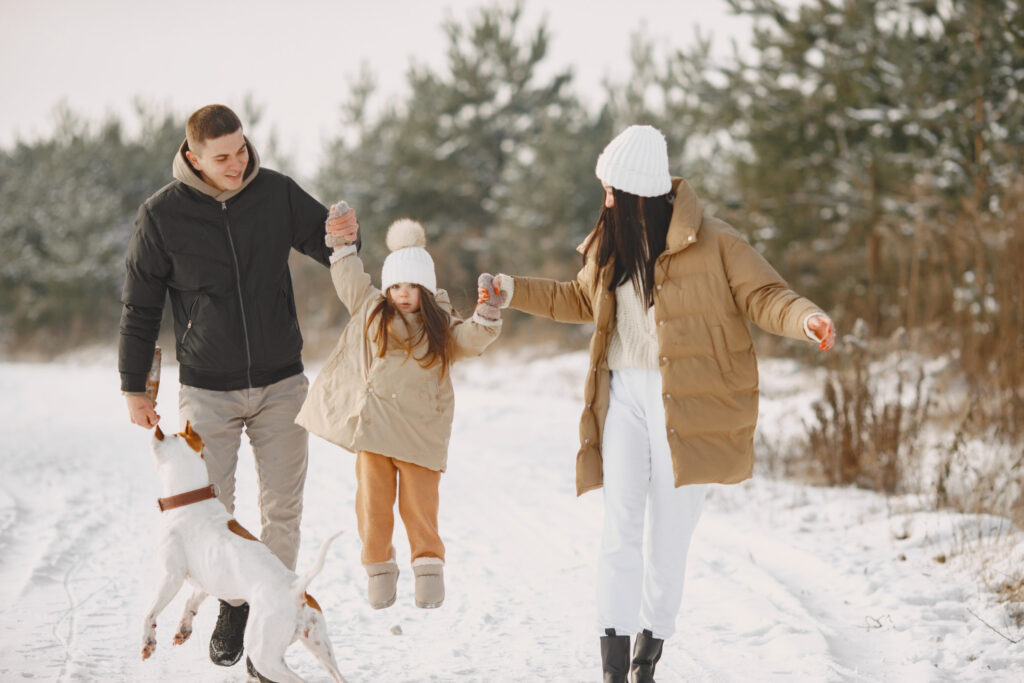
[201,542]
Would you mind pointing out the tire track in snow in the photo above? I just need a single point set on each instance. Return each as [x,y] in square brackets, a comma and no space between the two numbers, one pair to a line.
[797,615]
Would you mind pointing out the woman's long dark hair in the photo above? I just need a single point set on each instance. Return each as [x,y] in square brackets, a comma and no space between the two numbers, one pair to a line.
[436,330]
[632,233]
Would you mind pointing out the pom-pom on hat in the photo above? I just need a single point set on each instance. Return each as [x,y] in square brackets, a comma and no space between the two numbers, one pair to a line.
[408,260]
[636,161]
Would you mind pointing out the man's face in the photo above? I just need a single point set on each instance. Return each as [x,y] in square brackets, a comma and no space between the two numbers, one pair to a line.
[221,161]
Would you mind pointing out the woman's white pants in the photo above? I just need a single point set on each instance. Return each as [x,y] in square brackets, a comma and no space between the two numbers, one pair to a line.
[640,580]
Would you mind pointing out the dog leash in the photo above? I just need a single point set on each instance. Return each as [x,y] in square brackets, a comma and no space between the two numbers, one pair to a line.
[187,498]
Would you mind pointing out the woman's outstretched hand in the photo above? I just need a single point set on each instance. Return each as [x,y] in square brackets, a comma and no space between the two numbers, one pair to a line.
[489,297]
[823,329]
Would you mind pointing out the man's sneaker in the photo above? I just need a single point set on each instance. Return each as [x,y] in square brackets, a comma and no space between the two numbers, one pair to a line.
[226,641]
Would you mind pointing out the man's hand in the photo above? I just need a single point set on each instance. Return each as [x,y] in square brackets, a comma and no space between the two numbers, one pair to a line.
[343,229]
[142,411]
[823,329]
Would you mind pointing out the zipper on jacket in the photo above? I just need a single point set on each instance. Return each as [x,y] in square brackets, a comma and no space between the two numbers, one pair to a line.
[241,301]
[188,328]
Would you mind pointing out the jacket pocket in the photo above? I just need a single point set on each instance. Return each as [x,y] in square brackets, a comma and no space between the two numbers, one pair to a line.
[189,320]
[721,350]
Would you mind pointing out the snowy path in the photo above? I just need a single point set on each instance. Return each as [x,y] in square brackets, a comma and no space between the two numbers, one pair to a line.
[786,582]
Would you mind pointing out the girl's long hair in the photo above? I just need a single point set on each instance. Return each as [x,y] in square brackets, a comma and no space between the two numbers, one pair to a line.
[632,233]
[436,330]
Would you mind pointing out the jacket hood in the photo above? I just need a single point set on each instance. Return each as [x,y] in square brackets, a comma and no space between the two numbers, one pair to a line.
[687,216]
[182,170]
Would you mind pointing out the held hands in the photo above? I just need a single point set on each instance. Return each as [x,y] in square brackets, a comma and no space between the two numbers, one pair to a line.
[342,226]
[823,329]
[490,298]
[142,411]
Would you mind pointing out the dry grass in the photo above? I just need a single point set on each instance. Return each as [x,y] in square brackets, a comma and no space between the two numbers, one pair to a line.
[863,434]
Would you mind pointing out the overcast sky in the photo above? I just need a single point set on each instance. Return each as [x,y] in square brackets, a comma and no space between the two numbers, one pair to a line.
[294,58]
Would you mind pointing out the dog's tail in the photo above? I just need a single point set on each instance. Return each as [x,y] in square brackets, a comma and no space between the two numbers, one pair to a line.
[300,583]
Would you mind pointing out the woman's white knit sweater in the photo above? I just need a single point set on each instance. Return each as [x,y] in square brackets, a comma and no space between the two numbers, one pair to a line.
[634,342]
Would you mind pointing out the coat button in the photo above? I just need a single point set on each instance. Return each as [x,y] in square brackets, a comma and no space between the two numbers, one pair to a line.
[369,389]
[394,395]
[664,359]
[661,322]
[658,287]
[586,441]
[690,238]
[671,431]
[589,405]
[668,395]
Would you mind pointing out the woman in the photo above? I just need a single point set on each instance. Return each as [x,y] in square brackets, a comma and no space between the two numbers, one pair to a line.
[671,395]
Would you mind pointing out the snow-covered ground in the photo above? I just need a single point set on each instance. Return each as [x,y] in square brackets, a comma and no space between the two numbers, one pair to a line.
[786,582]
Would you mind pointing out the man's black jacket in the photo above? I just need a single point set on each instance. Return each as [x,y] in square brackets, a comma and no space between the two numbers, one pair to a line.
[225,266]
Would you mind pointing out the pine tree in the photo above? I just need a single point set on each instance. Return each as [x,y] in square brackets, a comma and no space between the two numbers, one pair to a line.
[492,158]
[69,207]
[857,132]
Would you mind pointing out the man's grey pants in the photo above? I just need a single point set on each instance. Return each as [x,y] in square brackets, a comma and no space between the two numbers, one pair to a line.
[279,446]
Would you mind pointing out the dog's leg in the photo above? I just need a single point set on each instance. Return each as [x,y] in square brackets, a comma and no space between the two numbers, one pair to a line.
[313,634]
[273,667]
[169,586]
[267,636]
[191,608]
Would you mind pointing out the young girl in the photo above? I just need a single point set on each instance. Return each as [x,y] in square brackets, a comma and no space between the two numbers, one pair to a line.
[671,396]
[385,393]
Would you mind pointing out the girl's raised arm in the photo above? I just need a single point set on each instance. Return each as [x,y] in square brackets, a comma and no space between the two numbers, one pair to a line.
[351,281]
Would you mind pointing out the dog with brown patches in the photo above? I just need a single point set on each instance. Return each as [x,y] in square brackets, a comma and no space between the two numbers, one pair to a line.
[201,542]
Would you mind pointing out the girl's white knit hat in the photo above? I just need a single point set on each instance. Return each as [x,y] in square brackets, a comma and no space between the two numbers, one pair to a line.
[408,260]
[636,161]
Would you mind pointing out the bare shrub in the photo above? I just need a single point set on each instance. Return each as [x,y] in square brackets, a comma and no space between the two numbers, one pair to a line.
[865,433]
[980,474]
[1012,593]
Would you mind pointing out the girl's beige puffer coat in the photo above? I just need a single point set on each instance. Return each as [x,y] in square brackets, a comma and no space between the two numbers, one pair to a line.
[390,405]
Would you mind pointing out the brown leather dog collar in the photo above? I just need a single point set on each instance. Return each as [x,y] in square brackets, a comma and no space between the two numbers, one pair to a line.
[187,498]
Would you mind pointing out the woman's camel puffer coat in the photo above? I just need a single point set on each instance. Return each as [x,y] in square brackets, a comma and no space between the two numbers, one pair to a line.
[708,282]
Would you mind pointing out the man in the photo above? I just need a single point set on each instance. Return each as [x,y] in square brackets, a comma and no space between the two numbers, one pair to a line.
[217,240]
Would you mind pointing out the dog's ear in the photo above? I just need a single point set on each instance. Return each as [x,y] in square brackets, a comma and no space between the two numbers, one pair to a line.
[158,434]
[192,438]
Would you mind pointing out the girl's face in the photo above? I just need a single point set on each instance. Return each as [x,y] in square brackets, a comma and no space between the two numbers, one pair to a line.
[405,296]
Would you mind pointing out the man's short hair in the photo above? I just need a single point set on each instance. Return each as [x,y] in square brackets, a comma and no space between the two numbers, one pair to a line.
[212,121]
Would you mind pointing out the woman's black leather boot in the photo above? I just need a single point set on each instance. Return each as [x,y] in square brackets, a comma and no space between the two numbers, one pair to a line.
[646,653]
[614,657]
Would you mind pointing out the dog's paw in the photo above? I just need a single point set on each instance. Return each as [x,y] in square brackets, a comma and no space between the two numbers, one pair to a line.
[149,648]
[182,635]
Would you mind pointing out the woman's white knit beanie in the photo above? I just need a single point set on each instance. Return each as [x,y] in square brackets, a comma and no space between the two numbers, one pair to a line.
[636,161]
[408,260]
